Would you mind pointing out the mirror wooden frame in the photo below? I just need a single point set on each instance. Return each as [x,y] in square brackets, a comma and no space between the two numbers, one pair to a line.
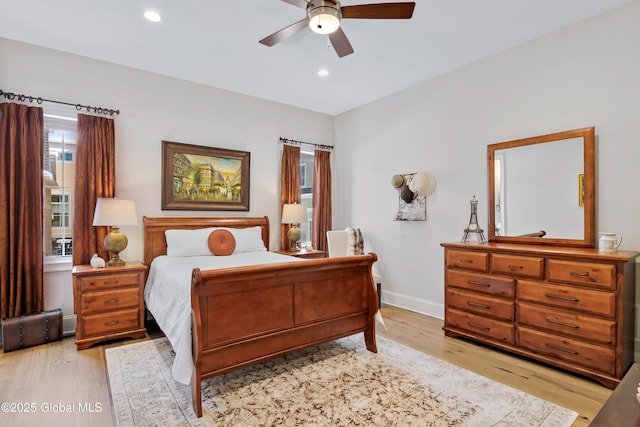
[588,136]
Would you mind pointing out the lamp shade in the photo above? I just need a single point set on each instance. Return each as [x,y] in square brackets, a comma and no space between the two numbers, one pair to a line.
[294,214]
[110,212]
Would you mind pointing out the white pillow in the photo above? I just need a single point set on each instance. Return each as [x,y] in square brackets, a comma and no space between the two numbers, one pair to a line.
[247,239]
[188,242]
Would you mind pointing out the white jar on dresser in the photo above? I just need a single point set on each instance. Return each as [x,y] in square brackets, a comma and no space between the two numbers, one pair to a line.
[573,308]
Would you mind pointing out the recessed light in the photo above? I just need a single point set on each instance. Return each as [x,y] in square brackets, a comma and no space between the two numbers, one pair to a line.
[323,72]
[152,16]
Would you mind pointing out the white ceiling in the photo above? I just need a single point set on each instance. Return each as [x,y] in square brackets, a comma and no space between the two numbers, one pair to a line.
[215,42]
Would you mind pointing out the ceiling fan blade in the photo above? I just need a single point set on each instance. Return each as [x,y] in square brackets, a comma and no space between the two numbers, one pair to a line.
[285,33]
[340,43]
[379,11]
[299,3]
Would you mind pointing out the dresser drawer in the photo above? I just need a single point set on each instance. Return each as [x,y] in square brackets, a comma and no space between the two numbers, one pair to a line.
[522,266]
[569,297]
[499,286]
[102,324]
[109,300]
[481,325]
[109,281]
[481,304]
[468,260]
[567,323]
[584,273]
[596,357]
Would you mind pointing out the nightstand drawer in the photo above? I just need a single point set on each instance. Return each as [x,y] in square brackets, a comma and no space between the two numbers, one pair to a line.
[109,300]
[102,324]
[109,281]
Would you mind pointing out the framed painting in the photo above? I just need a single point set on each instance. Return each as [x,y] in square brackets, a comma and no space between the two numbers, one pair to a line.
[196,177]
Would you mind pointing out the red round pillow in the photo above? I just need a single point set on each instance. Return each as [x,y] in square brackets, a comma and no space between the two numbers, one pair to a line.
[221,242]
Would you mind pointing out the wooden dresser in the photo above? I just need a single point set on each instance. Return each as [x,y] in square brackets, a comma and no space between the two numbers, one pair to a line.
[108,303]
[572,308]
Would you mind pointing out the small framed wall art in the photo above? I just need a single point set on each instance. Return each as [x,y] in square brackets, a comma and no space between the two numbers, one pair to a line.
[196,177]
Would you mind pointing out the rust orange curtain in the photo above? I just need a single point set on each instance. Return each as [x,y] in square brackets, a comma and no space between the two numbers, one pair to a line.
[21,244]
[321,199]
[95,177]
[289,185]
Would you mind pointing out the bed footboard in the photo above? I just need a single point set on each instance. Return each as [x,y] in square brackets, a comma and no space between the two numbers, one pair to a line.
[243,316]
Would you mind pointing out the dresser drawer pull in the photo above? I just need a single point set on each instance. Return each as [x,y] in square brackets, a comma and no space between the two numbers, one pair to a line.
[471,282]
[113,322]
[466,261]
[475,325]
[575,273]
[548,295]
[566,325]
[515,267]
[475,304]
[112,282]
[566,350]
[111,301]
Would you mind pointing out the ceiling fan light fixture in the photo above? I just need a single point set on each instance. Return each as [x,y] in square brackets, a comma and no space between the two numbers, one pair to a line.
[324,16]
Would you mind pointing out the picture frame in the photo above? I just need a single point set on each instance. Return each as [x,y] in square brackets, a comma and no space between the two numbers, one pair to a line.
[196,177]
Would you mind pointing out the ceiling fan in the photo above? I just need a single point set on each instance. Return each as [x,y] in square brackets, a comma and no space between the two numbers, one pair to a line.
[323,17]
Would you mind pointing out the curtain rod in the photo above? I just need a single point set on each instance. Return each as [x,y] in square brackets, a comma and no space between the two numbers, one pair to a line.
[22,98]
[294,142]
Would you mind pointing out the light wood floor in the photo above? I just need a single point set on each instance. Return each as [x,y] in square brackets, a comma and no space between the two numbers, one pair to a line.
[63,384]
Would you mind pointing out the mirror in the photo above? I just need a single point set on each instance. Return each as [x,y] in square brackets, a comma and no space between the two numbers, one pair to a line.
[542,189]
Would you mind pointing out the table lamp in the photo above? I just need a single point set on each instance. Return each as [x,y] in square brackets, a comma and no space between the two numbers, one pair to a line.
[114,213]
[294,214]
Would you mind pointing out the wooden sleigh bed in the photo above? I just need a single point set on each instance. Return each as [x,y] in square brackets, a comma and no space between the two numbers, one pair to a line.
[245,315]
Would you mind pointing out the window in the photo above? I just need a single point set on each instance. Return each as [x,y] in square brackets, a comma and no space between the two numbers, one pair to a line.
[60,135]
[306,194]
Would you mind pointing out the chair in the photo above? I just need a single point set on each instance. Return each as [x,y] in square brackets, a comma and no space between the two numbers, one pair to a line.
[337,244]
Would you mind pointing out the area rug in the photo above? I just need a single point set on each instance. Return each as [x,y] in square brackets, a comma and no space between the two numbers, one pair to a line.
[335,384]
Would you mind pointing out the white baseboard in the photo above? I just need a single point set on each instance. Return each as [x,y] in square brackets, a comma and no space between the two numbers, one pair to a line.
[418,305]
[69,325]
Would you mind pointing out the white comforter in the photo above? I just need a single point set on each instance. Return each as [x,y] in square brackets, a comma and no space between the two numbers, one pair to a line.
[168,297]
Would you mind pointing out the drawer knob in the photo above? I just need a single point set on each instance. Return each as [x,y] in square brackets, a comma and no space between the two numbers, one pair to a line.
[113,322]
[475,325]
[566,325]
[111,282]
[475,304]
[566,350]
[515,267]
[570,299]
[111,301]
[466,261]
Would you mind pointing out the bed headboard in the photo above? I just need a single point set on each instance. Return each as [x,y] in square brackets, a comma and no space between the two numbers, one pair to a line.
[155,243]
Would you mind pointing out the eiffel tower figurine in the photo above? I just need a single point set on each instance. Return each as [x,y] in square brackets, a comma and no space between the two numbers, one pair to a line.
[473,232]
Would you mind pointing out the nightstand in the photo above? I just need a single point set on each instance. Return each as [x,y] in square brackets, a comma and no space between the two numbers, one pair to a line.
[304,253]
[108,303]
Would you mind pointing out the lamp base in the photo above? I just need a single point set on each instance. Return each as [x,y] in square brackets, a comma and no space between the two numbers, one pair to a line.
[115,242]
[294,234]
[115,261]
